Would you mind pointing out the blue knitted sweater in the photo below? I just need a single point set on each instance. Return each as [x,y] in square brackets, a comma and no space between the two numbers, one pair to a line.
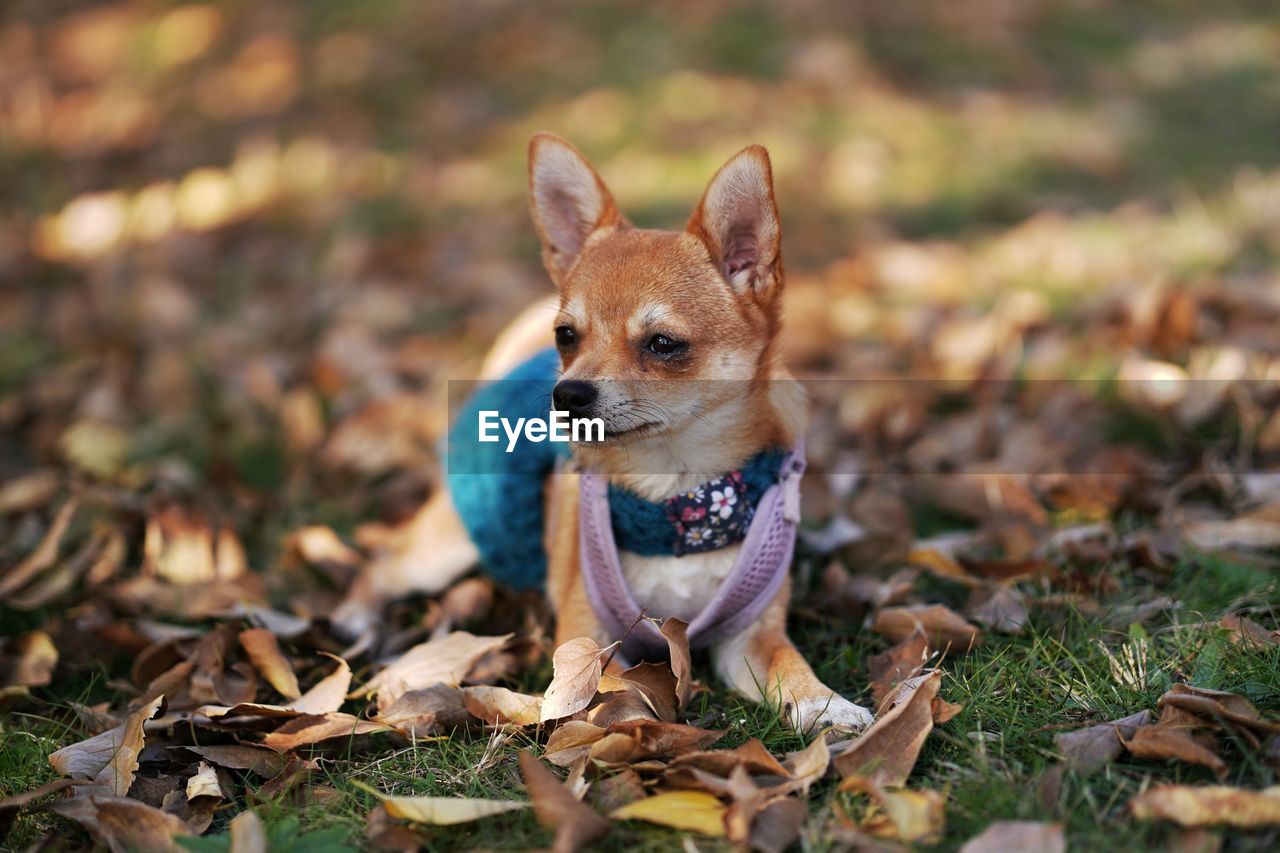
[499,495]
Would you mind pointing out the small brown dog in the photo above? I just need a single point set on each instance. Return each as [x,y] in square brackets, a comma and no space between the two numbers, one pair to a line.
[639,313]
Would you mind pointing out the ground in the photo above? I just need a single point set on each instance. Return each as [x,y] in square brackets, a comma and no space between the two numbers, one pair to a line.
[247,246]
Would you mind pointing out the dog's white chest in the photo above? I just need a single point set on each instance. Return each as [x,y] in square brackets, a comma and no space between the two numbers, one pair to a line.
[677,586]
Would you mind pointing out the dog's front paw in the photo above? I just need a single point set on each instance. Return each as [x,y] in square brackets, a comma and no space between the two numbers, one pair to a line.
[833,710]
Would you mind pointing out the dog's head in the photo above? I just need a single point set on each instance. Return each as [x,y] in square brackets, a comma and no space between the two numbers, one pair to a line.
[640,308]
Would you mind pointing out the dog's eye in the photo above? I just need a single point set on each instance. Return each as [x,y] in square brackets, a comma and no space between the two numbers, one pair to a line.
[664,346]
[565,336]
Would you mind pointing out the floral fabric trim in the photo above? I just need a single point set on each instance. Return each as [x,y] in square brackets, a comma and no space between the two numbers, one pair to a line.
[711,516]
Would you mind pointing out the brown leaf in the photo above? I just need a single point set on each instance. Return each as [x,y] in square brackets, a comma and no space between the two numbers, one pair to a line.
[676,632]
[241,756]
[383,832]
[124,824]
[445,660]
[945,629]
[498,705]
[430,711]
[577,672]
[1246,631]
[620,707]
[1220,706]
[885,753]
[1018,836]
[751,756]
[1172,742]
[328,694]
[247,833]
[45,553]
[639,739]
[109,759]
[808,765]
[301,731]
[944,711]
[1088,750]
[264,652]
[777,826]
[1209,805]
[652,682]
[1244,532]
[998,607]
[571,741]
[904,660]
[28,491]
[30,661]
[575,824]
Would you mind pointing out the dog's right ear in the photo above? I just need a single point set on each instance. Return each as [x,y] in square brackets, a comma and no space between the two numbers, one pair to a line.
[569,201]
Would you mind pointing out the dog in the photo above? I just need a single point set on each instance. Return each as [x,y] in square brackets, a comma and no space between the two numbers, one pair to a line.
[671,339]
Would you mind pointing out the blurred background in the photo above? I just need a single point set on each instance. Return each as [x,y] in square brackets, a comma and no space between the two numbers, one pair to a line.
[244,244]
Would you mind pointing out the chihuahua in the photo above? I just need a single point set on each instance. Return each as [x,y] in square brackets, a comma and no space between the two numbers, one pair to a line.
[638,314]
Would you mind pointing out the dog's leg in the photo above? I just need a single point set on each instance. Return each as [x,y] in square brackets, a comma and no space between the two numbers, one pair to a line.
[436,551]
[762,664]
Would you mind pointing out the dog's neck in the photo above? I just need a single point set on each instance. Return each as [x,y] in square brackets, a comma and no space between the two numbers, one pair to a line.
[721,440]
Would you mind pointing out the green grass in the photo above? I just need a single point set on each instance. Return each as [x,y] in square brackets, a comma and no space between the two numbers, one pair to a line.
[1017,693]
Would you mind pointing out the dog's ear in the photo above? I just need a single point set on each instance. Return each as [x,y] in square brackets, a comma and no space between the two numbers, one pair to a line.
[568,199]
[737,220]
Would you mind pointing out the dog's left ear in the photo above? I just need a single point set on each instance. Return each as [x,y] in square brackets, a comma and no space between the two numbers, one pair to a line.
[737,220]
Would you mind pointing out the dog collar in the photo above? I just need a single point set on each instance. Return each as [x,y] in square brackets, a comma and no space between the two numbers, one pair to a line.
[761,567]
[707,517]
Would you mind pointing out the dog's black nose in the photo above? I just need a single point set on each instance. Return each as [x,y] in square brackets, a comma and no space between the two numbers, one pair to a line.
[574,396]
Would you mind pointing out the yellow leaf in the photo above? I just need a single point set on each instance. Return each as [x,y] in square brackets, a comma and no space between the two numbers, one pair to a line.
[445,811]
[1209,805]
[696,811]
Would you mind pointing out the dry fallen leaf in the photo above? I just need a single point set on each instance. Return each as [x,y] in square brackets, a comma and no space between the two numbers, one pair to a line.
[109,759]
[430,711]
[446,811]
[1090,749]
[777,826]
[904,660]
[1173,742]
[45,553]
[1219,706]
[886,752]
[125,825]
[945,629]
[241,756]
[28,661]
[694,811]
[1018,836]
[1209,805]
[328,694]
[204,783]
[577,671]
[676,632]
[575,823]
[907,815]
[247,833]
[498,705]
[445,660]
[571,741]
[308,729]
[264,652]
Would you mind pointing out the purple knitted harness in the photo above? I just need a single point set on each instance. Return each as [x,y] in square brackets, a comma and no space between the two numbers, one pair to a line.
[744,594]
